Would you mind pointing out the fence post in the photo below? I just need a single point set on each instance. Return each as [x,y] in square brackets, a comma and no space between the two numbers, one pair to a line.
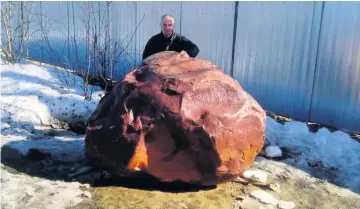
[181,13]
[42,38]
[234,39]
[317,41]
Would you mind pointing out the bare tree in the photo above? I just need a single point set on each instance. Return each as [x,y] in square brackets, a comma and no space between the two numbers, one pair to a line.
[15,36]
[102,50]
[92,52]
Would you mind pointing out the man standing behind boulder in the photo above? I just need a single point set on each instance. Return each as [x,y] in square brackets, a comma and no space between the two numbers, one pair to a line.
[167,40]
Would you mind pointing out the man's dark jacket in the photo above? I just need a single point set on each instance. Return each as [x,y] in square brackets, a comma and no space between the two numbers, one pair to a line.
[175,42]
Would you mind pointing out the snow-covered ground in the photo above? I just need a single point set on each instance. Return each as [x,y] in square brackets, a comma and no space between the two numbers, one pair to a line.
[336,153]
[33,98]
[43,95]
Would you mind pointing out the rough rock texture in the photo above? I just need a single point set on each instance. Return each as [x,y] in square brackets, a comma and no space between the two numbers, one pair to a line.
[176,118]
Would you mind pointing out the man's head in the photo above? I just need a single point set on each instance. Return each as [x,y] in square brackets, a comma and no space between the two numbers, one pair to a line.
[167,24]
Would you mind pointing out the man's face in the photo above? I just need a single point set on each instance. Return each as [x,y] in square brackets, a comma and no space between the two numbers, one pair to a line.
[167,26]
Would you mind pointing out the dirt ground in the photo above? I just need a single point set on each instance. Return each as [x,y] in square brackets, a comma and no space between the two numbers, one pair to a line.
[41,177]
[109,192]
[296,186]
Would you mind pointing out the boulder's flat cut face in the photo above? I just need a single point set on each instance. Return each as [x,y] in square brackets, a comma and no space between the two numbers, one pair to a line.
[176,118]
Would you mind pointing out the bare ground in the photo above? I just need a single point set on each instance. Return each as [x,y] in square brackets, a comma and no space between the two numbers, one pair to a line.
[295,185]
[38,181]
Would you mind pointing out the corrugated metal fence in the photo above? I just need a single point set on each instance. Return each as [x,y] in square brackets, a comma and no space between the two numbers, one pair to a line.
[298,59]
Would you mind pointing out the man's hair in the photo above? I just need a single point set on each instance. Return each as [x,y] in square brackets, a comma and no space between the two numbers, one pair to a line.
[167,15]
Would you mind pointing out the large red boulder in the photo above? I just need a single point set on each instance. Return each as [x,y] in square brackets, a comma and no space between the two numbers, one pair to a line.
[176,118]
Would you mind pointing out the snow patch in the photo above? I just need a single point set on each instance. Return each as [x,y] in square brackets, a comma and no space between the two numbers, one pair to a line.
[22,191]
[32,98]
[335,151]
[286,204]
[255,175]
[61,148]
[264,197]
[267,198]
[39,96]
[273,151]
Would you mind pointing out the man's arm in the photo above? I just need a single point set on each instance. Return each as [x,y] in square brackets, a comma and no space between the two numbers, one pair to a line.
[148,49]
[189,47]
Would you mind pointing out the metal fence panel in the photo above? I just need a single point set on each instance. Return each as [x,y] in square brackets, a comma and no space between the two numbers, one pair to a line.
[336,99]
[273,52]
[210,26]
[58,28]
[123,31]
